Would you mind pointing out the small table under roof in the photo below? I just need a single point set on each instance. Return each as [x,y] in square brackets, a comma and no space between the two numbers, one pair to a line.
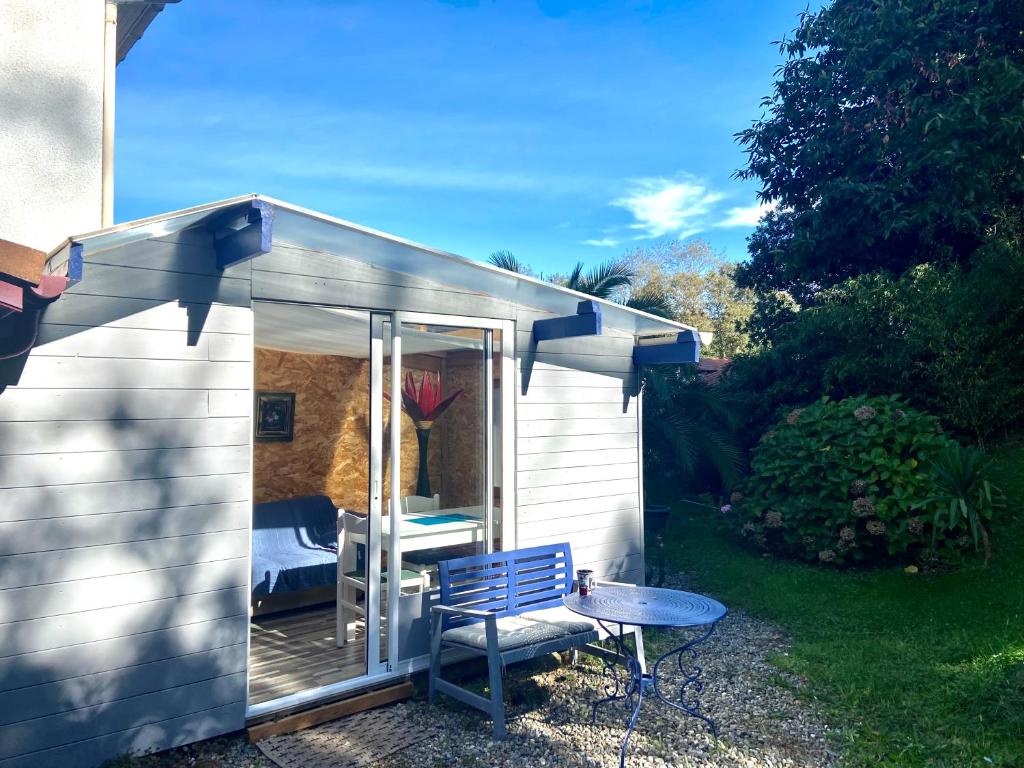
[649,607]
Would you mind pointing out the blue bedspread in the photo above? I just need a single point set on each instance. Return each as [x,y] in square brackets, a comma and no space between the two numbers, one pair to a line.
[294,545]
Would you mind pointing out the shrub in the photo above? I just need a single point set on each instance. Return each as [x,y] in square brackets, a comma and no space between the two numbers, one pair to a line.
[844,481]
[963,493]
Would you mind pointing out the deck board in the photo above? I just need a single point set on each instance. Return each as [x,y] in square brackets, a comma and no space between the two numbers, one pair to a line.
[293,652]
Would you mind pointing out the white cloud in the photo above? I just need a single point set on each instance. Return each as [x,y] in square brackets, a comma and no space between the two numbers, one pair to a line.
[603,242]
[662,206]
[746,216]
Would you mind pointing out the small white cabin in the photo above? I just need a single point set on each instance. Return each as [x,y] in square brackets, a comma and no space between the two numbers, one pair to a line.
[211,470]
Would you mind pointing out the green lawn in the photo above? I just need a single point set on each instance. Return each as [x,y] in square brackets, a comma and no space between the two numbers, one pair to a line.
[911,670]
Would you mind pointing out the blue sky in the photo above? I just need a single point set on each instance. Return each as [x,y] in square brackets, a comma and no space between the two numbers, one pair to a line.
[560,131]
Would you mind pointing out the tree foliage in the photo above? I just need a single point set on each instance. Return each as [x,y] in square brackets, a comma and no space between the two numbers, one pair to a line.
[698,289]
[508,261]
[950,340]
[689,431]
[893,146]
[604,281]
[893,137]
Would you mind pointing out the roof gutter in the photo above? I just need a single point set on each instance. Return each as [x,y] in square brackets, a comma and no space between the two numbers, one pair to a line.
[36,299]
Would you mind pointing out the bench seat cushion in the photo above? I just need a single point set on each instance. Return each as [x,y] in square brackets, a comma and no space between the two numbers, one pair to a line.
[526,629]
[562,617]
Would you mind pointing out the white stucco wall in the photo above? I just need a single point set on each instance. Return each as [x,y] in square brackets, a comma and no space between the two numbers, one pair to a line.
[51,117]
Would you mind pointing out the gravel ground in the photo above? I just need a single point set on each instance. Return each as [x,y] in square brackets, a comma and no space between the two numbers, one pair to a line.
[761,723]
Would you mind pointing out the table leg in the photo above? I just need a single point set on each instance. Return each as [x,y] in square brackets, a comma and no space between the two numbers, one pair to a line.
[692,685]
[630,685]
[618,686]
[630,691]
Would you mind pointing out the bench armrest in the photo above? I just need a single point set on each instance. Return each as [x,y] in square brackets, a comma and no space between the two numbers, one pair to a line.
[455,611]
[603,583]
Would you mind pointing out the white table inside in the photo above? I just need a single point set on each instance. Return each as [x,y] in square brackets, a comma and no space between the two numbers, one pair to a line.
[418,531]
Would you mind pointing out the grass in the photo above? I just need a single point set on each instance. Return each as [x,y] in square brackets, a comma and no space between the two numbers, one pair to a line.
[910,670]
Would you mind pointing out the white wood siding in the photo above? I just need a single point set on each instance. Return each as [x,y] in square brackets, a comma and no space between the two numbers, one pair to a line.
[126,488]
[125,497]
[577,458]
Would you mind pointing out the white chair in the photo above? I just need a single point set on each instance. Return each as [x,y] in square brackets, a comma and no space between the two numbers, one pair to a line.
[353,531]
[413,504]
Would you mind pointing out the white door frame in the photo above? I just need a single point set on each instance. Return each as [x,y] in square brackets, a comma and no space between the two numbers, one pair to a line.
[377,671]
[507,328]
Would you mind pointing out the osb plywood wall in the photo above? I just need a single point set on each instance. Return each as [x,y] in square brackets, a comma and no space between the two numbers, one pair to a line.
[463,435]
[330,450]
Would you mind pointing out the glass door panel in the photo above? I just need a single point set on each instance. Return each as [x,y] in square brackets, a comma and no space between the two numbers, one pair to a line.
[446,401]
[443,483]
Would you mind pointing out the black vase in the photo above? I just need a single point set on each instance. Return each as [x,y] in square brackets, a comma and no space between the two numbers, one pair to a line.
[423,479]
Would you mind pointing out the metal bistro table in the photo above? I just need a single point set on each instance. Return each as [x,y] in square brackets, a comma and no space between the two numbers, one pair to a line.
[649,607]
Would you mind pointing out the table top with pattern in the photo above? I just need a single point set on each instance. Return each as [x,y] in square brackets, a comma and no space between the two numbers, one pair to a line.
[646,606]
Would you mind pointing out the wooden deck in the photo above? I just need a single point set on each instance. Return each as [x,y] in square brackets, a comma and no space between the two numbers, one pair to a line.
[293,652]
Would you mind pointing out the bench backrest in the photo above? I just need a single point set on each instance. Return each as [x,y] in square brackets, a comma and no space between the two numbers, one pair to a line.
[506,583]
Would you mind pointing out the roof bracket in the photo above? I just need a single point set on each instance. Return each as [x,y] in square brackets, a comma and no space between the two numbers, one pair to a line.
[243,236]
[680,349]
[586,322]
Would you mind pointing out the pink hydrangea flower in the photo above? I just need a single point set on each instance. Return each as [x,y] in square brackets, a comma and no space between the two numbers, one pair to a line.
[864,413]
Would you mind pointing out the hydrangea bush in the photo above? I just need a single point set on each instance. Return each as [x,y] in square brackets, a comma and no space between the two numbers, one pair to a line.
[841,482]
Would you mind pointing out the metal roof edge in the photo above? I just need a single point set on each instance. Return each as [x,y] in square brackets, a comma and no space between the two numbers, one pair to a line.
[190,215]
[469,262]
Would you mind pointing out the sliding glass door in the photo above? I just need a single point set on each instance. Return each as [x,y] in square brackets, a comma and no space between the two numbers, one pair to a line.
[387,449]
[441,387]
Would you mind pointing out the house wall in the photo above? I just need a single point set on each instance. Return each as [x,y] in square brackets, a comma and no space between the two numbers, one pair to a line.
[51,134]
[578,471]
[125,496]
[126,490]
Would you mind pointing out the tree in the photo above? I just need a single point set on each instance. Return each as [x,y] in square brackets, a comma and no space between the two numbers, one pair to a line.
[689,430]
[698,288]
[893,137]
[948,339]
[509,261]
[604,281]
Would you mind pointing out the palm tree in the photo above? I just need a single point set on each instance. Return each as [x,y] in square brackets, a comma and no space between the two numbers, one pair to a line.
[694,421]
[651,301]
[603,280]
[508,261]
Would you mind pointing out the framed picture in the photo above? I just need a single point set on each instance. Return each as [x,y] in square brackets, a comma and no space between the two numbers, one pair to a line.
[275,416]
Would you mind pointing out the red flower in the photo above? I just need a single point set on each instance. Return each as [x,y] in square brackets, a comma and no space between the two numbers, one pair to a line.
[425,403]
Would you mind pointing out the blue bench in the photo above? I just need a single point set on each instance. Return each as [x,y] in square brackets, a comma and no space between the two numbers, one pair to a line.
[508,607]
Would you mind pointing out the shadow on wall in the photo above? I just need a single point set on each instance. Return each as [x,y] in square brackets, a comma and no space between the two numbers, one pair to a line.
[527,359]
[64,102]
[79,310]
[125,610]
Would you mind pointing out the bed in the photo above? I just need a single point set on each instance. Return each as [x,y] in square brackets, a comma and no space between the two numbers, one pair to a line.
[294,547]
